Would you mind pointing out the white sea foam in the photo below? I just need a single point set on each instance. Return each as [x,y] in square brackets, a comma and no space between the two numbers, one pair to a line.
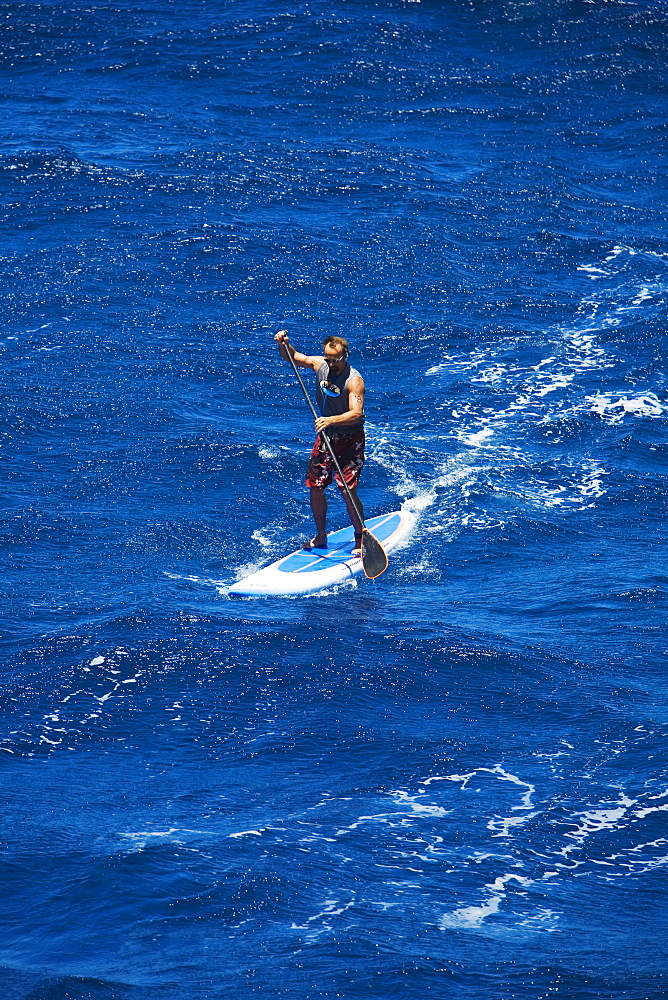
[245,569]
[594,272]
[141,839]
[648,810]
[493,434]
[592,483]
[613,407]
[264,541]
[475,438]
[322,922]
[500,826]
[594,821]
[544,919]
[191,578]
[418,808]
[408,805]
[332,908]
[473,916]
[498,772]
[424,568]
[493,374]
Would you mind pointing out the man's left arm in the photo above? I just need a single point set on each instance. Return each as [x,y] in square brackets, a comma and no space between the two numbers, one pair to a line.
[353,414]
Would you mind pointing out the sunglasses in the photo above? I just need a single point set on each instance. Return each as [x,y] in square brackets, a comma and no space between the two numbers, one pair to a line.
[336,361]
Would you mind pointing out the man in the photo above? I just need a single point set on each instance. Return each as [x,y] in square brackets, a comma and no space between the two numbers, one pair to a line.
[340,399]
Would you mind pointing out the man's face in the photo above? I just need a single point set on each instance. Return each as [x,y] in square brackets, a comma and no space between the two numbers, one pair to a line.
[335,358]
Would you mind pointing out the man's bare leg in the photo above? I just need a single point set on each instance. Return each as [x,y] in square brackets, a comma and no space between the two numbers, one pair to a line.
[354,506]
[319,508]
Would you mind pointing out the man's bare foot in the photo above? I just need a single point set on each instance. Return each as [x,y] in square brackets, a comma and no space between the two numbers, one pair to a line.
[316,543]
[357,547]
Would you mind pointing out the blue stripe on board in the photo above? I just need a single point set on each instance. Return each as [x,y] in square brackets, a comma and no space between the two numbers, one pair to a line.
[340,547]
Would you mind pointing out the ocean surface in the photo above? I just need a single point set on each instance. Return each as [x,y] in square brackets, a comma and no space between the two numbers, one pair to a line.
[451,782]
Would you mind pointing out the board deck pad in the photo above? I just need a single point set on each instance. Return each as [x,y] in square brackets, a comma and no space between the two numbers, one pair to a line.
[309,570]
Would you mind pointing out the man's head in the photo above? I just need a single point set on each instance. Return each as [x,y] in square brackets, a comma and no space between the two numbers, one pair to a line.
[336,353]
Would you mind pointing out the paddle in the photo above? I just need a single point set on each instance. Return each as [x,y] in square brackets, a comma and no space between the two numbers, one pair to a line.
[374,556]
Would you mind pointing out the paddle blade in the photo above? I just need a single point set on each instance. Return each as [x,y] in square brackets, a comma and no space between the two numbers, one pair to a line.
[374,557]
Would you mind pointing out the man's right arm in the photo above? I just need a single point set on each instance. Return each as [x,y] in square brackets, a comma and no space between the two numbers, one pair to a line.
[301,360]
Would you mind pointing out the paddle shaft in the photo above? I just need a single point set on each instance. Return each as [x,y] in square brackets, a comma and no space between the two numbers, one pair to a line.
[325,437]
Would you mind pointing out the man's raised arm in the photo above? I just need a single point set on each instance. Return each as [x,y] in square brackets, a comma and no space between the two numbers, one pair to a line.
[302,360]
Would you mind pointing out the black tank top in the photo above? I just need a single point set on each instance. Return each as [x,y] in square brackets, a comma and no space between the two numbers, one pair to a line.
[332,396]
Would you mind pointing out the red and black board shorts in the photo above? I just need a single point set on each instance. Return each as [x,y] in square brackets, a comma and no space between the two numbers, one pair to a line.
[349,451]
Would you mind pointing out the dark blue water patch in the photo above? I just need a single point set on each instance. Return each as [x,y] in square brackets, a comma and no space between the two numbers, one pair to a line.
[644,451]
[411,978]
[420,673]
[227,893]
[452,780]
[219,270]
[629,443]
[240,48]
[18,985]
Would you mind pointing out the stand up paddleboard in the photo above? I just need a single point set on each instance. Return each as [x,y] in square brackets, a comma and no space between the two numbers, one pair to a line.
[309,570]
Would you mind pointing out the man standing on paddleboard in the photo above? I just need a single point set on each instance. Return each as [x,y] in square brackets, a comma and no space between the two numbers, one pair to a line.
[340,399]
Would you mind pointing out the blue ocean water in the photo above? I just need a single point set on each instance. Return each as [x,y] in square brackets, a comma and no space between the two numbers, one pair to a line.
[453,781]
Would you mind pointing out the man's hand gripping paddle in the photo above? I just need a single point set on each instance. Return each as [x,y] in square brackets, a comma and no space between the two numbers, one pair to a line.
[374,556]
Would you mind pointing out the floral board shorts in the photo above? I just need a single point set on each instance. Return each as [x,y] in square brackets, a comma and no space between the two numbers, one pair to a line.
[349,451]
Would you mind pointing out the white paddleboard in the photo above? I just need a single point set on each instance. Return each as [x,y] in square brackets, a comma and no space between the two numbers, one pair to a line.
[309,570]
